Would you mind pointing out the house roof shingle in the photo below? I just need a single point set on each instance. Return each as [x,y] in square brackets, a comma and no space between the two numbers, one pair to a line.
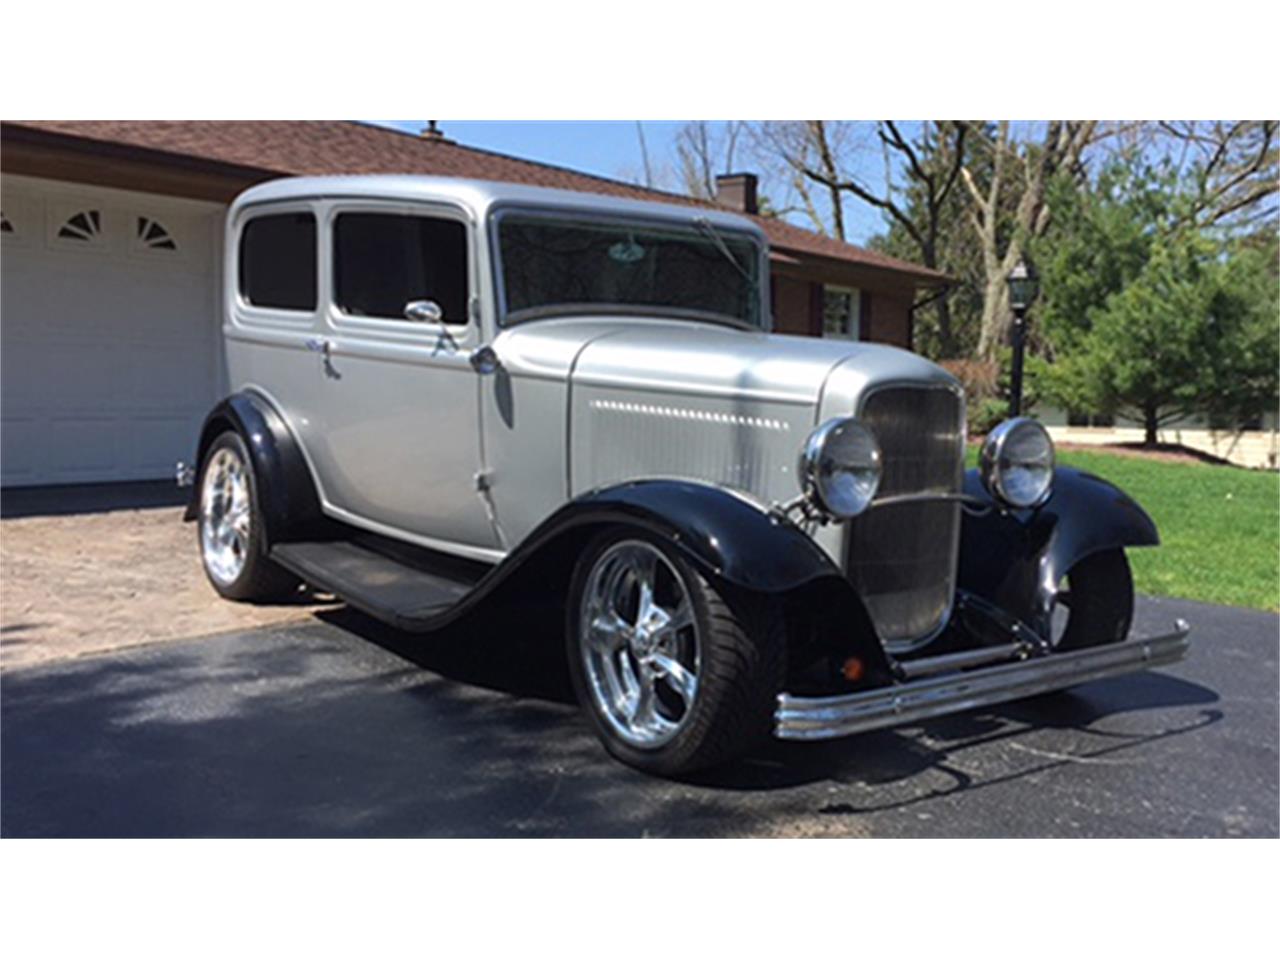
[321,147]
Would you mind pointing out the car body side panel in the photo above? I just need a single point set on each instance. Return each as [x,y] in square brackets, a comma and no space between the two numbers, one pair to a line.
[1017,559]
[524,410]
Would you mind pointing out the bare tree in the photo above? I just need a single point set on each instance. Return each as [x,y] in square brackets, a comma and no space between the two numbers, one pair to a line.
[705,150]
[1236,165]
[1007,181]
[921,170]
[798,147]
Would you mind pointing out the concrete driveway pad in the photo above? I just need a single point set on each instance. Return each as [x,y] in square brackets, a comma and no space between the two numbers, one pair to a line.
[99,568]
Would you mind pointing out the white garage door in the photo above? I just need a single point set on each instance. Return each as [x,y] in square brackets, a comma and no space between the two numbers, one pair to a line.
[108,332]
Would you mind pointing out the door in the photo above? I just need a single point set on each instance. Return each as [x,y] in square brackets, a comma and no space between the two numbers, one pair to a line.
[398,402]
[109,331]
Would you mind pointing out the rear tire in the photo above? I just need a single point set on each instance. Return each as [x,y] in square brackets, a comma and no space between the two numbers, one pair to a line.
[231,530]
[712,663]
[1098,595]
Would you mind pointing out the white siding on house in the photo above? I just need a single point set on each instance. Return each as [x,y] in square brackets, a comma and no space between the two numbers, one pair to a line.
[109,352]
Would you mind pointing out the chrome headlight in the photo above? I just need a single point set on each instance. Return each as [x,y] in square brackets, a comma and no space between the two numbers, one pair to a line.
[1016,464]
[840,467]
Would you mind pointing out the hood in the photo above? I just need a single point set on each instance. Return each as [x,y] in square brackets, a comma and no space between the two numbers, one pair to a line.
[708,361]
[653,399]
[703,360]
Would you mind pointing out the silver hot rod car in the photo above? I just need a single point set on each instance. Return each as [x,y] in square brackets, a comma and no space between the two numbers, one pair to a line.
[439,386]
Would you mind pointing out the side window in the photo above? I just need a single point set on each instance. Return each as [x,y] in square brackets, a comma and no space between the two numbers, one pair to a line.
[278,261]
[382,261]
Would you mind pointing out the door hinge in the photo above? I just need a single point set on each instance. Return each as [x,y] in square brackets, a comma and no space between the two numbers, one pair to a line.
[484,481]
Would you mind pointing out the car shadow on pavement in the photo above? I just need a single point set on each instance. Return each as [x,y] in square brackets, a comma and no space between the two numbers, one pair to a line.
[521,656]
[62,501]
[531,663]
[888,758]
[308,730]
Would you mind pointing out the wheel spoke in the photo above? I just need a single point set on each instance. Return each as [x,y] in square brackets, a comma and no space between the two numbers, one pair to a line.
[640,710]
[681,680]
[628,682]
[239,521]
[681,617]
[607,632]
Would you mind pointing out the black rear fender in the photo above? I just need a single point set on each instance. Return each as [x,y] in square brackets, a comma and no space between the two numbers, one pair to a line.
[286,494]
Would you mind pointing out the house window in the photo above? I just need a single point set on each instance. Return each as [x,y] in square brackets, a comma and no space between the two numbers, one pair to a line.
[1081,418]
[84,227]
[841,313]
[383,261]
[278,261]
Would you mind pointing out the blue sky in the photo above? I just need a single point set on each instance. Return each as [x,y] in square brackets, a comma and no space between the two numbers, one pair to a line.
[608,149]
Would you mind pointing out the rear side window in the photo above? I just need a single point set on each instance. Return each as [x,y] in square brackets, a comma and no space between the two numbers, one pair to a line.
[382,261]
[278,261]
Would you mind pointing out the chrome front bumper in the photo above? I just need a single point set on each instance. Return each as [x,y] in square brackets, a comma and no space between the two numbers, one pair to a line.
[820,718]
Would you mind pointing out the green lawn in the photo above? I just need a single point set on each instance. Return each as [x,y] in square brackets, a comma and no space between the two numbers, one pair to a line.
[1219,527]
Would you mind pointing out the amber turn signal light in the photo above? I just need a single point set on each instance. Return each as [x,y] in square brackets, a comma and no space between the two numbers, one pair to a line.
[853,669]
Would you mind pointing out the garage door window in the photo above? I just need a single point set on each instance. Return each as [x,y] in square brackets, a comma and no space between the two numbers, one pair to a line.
[85,226]
[152,235]
[278,261]
[381,262]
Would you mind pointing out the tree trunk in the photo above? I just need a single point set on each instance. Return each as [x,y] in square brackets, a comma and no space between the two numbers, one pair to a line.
[946,338]
[995,317]
[1150,423]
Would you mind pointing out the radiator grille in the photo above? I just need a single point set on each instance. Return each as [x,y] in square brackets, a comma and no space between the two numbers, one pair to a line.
[902,557]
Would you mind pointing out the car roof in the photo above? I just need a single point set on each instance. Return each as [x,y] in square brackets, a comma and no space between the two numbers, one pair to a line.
[480,196]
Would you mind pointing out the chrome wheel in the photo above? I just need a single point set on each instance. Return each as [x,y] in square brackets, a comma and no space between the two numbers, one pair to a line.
[225,516]
[638,639]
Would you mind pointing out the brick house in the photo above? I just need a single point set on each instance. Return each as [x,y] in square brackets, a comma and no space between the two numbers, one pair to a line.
[111,266]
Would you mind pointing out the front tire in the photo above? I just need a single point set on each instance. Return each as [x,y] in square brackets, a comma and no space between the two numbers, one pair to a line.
[676,675]
[231,531]
[1097,597]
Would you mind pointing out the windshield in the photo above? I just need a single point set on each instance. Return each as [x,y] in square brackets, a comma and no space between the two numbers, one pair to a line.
[556,265]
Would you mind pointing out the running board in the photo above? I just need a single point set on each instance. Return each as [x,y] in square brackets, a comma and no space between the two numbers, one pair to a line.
[406,588]
[819,718]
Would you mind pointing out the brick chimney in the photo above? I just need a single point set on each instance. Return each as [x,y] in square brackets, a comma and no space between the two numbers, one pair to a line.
[737,191]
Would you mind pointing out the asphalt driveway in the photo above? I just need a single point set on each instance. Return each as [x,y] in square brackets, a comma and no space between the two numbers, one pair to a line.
[336,726]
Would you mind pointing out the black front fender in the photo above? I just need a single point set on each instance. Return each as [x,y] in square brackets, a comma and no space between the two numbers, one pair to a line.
[731,541]
[728,537]
[1016,559]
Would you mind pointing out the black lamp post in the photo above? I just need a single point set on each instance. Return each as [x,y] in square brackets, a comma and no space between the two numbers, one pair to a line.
[1023,287]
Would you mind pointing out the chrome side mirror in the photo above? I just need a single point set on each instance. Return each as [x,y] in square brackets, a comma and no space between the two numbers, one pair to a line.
[423,311]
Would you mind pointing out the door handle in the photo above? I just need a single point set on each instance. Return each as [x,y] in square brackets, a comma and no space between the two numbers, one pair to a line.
[484,360]
[318,345]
